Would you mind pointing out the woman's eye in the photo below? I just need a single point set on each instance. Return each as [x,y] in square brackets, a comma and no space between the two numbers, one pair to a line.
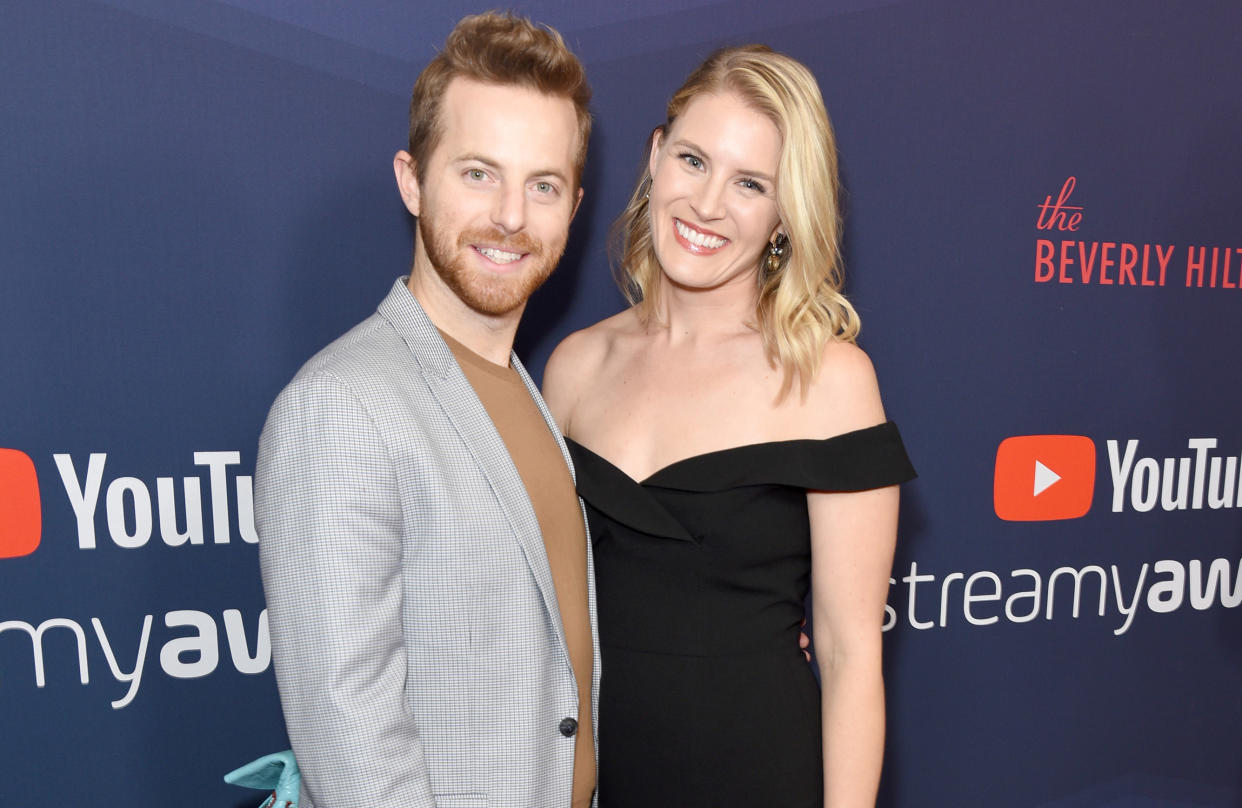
[692,160]
[752,185]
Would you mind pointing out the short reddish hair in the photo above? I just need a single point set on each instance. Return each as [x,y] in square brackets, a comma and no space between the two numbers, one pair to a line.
[499,48]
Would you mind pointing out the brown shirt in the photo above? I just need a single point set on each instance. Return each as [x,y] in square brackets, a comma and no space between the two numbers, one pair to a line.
[550,487]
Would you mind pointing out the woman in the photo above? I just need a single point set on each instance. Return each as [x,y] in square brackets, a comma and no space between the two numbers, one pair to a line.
[731,446]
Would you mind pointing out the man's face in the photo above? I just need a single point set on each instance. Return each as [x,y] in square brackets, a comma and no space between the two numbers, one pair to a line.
[497,194]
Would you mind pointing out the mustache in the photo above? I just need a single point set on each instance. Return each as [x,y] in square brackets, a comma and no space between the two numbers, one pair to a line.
[515,242]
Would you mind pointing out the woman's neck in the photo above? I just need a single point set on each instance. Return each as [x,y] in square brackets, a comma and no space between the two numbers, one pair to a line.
[694,315]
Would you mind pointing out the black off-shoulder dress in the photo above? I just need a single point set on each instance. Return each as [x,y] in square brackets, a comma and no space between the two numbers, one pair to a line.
[701,573]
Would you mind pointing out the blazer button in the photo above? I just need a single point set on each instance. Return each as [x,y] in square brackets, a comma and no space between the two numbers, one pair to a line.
[568,727]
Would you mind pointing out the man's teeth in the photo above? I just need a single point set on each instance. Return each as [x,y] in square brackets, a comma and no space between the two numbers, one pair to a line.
[499,256]
[699,239]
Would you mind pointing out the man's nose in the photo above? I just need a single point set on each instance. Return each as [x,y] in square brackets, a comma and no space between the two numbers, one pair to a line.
[509,212]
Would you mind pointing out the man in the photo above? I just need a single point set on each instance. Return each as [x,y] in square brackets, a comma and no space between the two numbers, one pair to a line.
[424,555]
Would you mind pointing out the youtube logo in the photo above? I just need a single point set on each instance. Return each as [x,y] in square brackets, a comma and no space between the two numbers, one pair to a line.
[21,517]
[1044,477]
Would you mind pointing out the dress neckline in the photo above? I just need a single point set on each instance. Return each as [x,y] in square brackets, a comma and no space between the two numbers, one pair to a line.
[866,458]
[685,460]
[717,454]
[852,461]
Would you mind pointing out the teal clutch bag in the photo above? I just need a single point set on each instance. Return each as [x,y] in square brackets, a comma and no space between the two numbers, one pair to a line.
[277,773]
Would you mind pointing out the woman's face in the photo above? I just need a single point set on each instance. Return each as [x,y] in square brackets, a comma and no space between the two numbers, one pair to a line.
[713,192]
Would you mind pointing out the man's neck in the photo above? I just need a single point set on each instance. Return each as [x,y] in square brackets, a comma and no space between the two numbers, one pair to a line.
[490,336]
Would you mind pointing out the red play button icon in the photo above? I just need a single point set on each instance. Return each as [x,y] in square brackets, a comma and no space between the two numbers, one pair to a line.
[1043,477]
[21,517]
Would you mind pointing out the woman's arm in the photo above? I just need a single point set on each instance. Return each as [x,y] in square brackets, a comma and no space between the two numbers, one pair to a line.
[852,537]
[852,540]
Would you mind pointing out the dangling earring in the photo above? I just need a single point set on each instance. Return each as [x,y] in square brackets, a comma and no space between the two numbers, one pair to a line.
[648,182]
[776,252]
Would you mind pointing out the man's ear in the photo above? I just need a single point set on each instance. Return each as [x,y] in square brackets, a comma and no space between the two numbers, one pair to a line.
[407,181]
[577,203]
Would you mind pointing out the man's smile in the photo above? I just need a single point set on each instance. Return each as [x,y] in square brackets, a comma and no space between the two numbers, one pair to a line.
[497,255]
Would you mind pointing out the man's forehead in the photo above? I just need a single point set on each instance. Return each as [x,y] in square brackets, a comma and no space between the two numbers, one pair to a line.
[507,122]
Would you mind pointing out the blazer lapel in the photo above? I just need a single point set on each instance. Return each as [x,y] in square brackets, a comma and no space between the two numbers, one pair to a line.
[464,410]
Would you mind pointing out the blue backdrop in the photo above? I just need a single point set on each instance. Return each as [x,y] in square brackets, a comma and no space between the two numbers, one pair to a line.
[197,195]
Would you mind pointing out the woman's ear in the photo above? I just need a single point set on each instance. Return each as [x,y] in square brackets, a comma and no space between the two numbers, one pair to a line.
[654,142]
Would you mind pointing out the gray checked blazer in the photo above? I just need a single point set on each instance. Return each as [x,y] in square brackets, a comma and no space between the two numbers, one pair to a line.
[416,636]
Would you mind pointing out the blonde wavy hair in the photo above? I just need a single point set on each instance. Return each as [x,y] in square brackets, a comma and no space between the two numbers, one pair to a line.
[800,307]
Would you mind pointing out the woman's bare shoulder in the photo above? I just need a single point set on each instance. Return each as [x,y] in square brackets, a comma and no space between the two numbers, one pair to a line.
[575,361]
[845,394]
[584,348]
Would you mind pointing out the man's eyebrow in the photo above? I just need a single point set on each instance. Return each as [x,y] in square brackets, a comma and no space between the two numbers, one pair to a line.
[492,164]
[478,158]
[550,172]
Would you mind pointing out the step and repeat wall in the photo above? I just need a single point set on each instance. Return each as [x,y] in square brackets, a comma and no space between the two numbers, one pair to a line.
[1044,240]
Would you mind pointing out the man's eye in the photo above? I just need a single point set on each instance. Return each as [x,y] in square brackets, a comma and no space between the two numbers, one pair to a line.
[544,187]
[476,174]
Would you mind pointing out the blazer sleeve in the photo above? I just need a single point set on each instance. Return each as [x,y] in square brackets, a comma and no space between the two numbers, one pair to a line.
[329,519]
